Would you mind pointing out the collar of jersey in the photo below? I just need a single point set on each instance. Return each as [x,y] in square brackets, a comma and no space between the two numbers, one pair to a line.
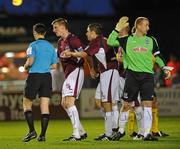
[139,38]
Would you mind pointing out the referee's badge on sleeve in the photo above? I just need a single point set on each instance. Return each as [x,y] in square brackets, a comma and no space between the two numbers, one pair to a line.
[29,51]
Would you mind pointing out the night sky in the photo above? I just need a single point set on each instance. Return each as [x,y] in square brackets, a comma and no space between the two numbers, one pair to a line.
[164,21]
[163,15]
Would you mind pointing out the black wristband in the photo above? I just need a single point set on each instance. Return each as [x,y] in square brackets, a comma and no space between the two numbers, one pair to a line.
[116,31]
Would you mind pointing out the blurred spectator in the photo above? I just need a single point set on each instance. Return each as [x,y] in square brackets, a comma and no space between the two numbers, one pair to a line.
[173,62]
[175,81]
[158,77]
[9,71]
[57,78]
[4,61]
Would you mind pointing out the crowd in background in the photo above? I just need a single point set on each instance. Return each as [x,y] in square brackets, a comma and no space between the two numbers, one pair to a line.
[10,69]
[174,81]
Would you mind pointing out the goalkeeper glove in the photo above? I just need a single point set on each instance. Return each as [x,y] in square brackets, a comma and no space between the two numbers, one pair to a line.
[123,23]
[167,71]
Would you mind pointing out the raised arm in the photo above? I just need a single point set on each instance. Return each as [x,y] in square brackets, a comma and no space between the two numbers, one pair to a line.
[113,37]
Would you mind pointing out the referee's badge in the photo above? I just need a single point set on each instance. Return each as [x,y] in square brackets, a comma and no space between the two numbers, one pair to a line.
[29,51]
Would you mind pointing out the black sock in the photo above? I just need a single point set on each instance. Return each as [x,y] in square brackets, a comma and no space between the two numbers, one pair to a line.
[30,120]
[44,123]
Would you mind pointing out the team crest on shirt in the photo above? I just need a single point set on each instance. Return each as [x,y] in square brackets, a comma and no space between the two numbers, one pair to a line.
[147,41]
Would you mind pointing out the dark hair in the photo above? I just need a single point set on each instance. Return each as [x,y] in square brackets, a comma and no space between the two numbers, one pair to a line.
[39,28]
[96,27]
[61,21]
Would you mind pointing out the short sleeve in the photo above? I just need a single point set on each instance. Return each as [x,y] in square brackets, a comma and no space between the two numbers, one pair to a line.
[30,52]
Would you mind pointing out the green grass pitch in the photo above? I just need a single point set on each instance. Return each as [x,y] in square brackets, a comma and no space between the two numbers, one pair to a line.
[11,134]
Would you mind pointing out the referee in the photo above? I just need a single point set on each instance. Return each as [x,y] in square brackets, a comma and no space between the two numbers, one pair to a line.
[41,58]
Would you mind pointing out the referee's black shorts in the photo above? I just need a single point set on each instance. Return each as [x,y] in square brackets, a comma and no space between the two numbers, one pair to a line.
[38,84]
[138,82]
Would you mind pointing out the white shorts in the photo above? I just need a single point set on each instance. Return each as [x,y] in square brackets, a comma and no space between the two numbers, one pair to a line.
[121,86]
[107,89]
[73,83]
[98,92]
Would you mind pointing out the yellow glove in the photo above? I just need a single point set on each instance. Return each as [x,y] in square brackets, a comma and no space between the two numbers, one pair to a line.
[123,22]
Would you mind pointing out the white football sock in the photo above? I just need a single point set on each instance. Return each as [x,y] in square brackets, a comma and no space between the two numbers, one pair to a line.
[123,120]
[147,120]
[115,116]
[139,119]
[81,129]
[74,116]
[102,112]
[108,123]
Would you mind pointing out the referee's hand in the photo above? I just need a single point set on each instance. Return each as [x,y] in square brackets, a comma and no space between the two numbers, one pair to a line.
[26,68]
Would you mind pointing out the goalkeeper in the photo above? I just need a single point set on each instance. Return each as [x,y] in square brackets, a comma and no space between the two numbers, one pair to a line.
[138,49]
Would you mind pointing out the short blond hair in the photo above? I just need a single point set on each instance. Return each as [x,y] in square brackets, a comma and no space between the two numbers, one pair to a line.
[61,21]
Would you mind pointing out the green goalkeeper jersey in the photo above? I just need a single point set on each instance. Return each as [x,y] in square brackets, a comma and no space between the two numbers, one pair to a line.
[138,52]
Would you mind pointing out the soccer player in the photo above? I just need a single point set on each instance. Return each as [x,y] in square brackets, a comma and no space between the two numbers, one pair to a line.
[41,57]
[137,109]
[74,75]
[137,106]
[108,73]
[155,119]
[121,65]
[138,49]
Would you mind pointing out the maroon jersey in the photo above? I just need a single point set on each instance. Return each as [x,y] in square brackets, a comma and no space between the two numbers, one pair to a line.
[120,65]
[105,57]
[73,44]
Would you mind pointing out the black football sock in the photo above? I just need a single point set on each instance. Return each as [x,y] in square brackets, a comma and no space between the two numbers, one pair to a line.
[44,123]
[30,120]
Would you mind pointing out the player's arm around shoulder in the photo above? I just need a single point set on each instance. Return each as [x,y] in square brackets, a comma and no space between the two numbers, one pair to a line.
[80,54]
[78,48]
